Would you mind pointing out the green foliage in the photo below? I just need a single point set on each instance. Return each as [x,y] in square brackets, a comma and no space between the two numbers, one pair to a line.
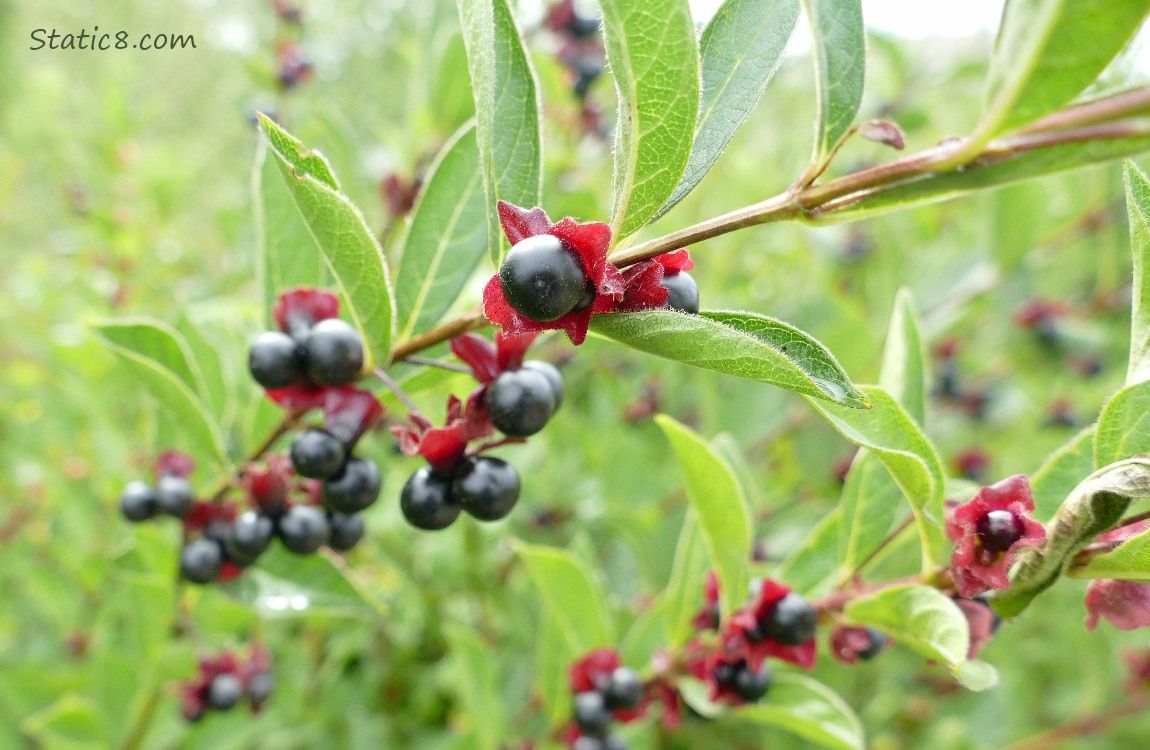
[839,44]
[1138,209]
[572,595]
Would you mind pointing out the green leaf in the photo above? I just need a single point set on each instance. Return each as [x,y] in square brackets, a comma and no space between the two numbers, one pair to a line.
[553,654]
[73,722]
[1093,507]
[839,42]
[654,56]
[286,256]
[572,595]
[446,240]
[893,437]
[903,373]
[1138,208]
[808,709]
[720,507]
[743,344]
[919,617]
[347,245]
[812,567]
[506,111]
[158,357]
[284,584]
[1048,52]
[1123,428]
[870,503]
[478,684]
[1129,561]
[1061,473]
[740,50]
[683,595]
[975,675]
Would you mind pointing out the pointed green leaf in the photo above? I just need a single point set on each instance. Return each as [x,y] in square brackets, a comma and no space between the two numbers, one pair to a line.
[447,238]
[159,358]
[1093,507]
[284,584]
[894,438]
[1138,208]
[1123,428]
[1048,52]
[838,39]
[808,709]
[572,595]
[743,344]
[478,687]
[812,567]
[654,56]
[343,238]
[1061,473]
[870,503]
[720,507]
[919,617]
[683,595]
[903,373]
[740,50]
[1129,561]
[506,111]
[553,654]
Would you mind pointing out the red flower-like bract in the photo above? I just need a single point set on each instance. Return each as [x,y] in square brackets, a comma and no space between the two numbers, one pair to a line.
[643,289]
[445,447]
[976,570]
[173,464]
[593,672]
[590,242]
[488,360]
[738,639]
[847,643]
[1124,604]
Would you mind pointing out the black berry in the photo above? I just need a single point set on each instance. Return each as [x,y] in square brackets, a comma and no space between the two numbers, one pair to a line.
[200,561]
[541,279]
[592,715]
[611,742]
[519,402]
[427,502]
[248,537]
[551,372]
[354,488]
[303,529]
[317,454]
[139,502]
[998,530]
[487,488]
[274,360]
[751,686]
[877,644]
[682,292]
[225,691]
[582,26]
[346,531]
[792,621]
[174,495]
[260,688]
[333,351]
[624,690]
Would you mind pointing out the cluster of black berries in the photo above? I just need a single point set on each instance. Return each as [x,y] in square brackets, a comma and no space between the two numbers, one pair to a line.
[350,484]
[594,709]
[172,496]
[223,681]
[582,51]
[737,677]
[326,353]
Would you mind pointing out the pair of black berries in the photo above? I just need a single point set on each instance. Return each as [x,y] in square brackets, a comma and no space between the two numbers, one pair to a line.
[227,689]
[543,279]
[172,496]
[748,684]
[350,484]
[791,622]
[329,353]
[621,691]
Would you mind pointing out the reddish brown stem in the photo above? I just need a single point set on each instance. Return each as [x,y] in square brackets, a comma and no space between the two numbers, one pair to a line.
[1084,725]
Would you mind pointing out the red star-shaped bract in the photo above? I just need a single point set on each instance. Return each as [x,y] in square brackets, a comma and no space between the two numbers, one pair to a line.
[1124,604]
[741,634]
[847,643]
[268,486]
[981,621]
[446,447]
[205,513]
[348,412]
[488,360]
[594,670]
[642,282]
[173,464]
[297,310]
[976,570]
[590,241]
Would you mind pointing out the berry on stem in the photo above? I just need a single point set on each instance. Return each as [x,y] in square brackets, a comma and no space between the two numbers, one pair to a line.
[791,622]
[427,501]
[260,688]
[346,531]
[750,685]
[554,378]
[682,292]
[541,278]
[303,529]
[998,530]
[139,502]
[248,537]
[200,561]
[519,402]
[592,715]
[877,644]
[174,495]
[333,351]
[225,691]
[353,489]
[624,690]
[487,488]
[274,360]
[317,454]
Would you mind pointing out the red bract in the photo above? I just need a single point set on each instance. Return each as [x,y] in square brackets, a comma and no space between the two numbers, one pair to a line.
[1124,604]
[488,360]
[204,514]
[594,670]
[589,241]
[173,464]
[847,643]
[298,310]
[708,616]
[445,447]
[642,281]
[982,622]
[743,636]
[348,412]
[974,568]
[1038,312]
[267,487]
[1138,664]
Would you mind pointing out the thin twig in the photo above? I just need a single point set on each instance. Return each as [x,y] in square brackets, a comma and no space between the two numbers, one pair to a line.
[429,362]
[399,392]
[469,322]
[890,538]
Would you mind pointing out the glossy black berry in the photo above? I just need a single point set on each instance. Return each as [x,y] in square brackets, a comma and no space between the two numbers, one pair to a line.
[611,742]
[225,691]
[541,279]
[354,488]
[487,488]
[346,531]
[248,537]
[998,530]
[582,26]
[317,454]
[554,378]
[139,502]
[750,685]
[792,621]
[427,502]
[592,715]
[303,529]
[682,292]
[624,690]
[519,402]
[260,688]
[274,360]
[877,644]
[333,351]
[200,561]
[174,495]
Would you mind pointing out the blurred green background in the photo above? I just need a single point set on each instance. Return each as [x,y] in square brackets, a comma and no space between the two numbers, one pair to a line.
[126,190]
